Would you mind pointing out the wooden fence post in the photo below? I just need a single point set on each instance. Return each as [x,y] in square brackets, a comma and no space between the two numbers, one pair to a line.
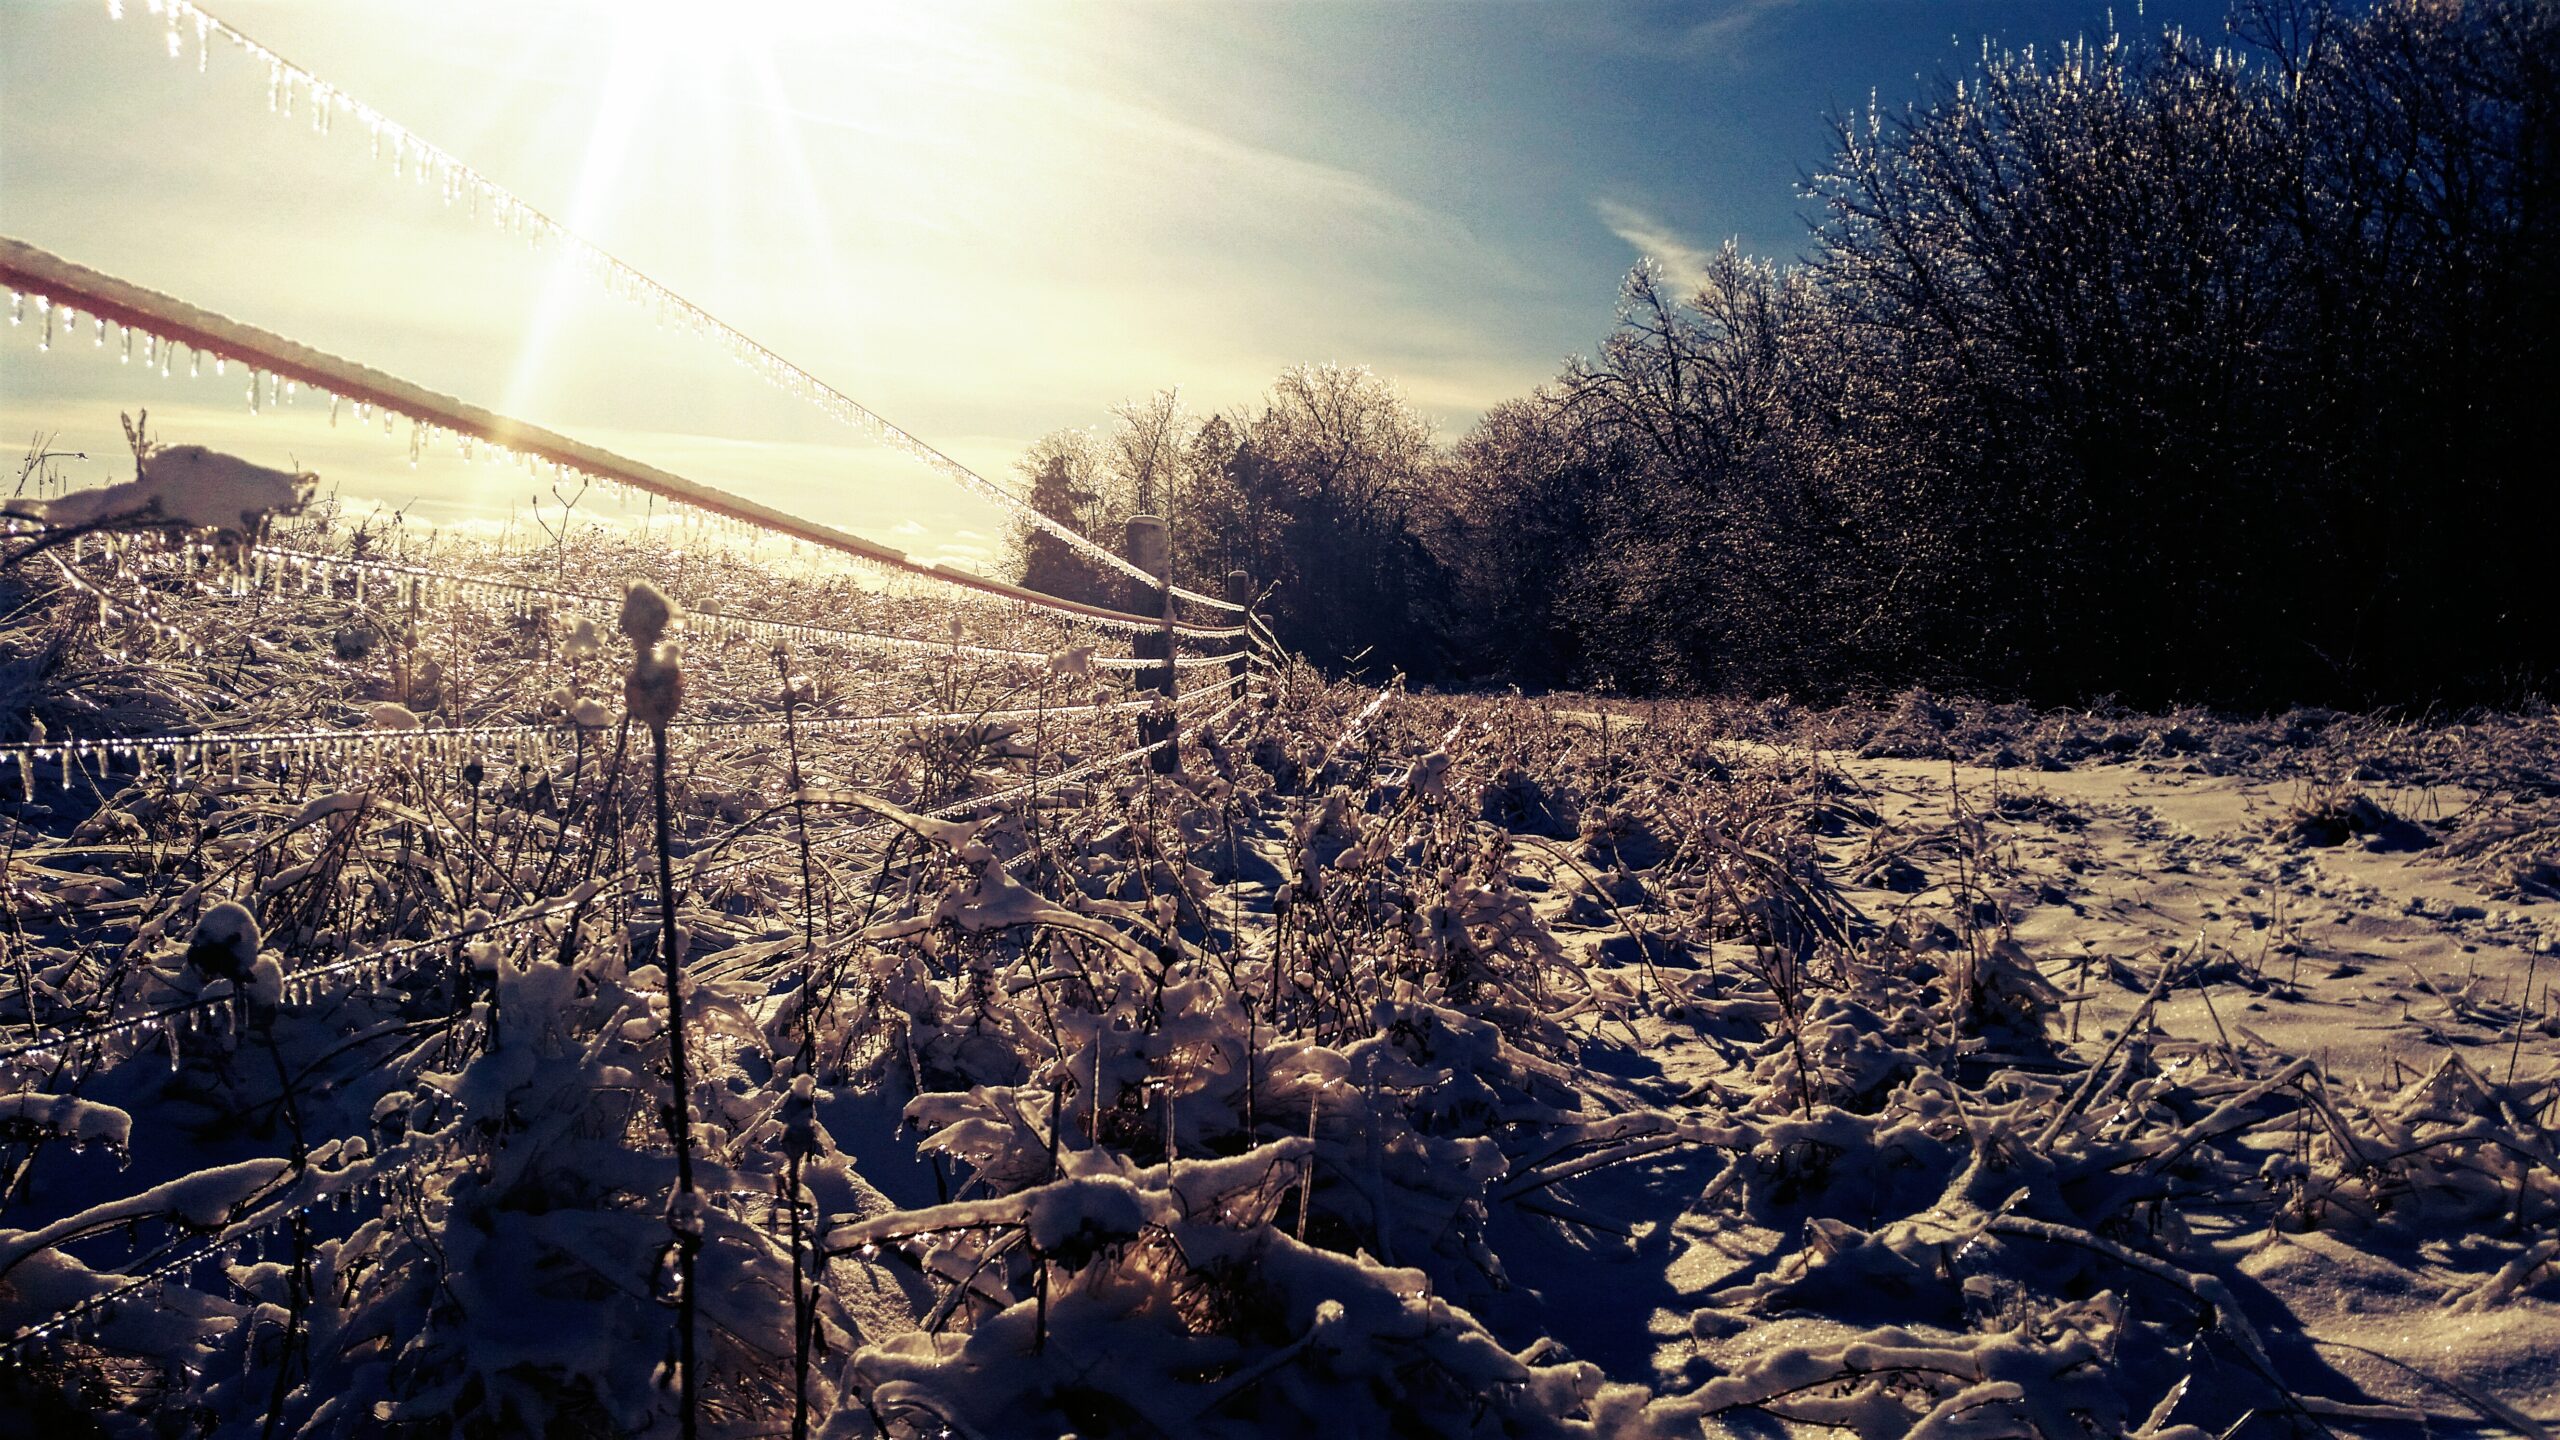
[1240,592]
[1149,551]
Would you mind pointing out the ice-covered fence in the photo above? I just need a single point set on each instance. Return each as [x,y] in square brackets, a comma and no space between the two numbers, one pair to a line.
[414,585]
[198,750]
[171,1023]
[694,619]
[59,296]
[63,293]
[56,288]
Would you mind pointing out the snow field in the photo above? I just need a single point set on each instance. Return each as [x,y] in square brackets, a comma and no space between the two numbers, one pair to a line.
[1400,1065]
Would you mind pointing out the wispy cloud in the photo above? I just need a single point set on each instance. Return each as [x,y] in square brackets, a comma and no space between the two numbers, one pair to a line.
[1683,264]
[1719,31]
[1705,30]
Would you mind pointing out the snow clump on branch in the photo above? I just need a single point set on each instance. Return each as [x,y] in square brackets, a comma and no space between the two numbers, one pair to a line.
[188,486]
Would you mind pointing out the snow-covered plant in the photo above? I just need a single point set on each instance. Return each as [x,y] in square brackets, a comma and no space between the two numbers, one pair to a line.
[1168,1298]
[185,487]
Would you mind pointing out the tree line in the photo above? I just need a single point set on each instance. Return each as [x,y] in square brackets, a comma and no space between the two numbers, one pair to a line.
[2174,368]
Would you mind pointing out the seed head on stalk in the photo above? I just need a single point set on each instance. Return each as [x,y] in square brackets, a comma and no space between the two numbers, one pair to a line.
[651,692]
[655,686]
[646,613]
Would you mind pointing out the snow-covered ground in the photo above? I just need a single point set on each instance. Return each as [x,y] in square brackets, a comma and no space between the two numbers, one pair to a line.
[2374,956]
[1400,1064]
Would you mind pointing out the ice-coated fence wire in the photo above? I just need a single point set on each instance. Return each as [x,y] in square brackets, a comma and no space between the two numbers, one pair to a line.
[1261,630]
[210,746]
[308,1188]
[48,1048]
[198,747]
[713,621]
[278,367]
[1126,757]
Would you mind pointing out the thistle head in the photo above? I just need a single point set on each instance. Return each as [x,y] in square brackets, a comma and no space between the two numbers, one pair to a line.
[226,943]
[655,686]
[646,611]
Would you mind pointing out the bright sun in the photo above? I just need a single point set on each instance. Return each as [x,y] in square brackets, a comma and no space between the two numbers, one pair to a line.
[736,87]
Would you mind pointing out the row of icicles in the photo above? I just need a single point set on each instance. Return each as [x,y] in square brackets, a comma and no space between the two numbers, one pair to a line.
[266,390]
[39,1055]
[234,571]
[295,750]
[267,569]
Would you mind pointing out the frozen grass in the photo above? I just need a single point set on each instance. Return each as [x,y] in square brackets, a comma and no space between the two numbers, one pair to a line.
[1401,1065]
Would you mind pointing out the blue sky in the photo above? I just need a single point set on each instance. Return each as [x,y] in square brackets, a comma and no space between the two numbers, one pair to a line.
[987,219]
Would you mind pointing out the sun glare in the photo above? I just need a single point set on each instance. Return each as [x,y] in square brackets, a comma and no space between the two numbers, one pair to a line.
[684,76]
[636,63]
[750,27]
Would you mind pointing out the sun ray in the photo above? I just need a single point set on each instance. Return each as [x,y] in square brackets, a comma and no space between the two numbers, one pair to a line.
[638,59]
